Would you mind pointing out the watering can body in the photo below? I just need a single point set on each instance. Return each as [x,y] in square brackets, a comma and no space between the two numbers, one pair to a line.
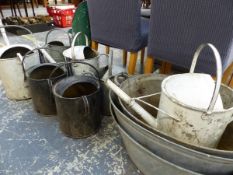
[194,126]
[11,71]
[202,125]
[41,87]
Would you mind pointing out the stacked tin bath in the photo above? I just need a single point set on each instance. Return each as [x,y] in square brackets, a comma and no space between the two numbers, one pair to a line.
[155,151]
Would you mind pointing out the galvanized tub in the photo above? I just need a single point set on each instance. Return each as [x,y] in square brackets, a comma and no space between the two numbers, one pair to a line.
[223,144]
[165,146]
[145,160]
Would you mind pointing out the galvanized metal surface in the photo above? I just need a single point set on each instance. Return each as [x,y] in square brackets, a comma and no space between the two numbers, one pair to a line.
[78,101]
[11,71]
[134,88]
[40,84]
[148,162]
[56,48]
[163,145]
[198,125]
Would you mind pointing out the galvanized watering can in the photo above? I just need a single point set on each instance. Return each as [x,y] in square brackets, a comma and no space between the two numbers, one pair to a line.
[82,53]
[198,126]
[40,81]
[11,70]
[78,101]
[58,46]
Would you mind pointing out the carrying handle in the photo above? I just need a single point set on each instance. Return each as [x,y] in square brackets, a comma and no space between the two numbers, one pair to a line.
[73,43]
[72,62]
[35,42]
[47,35]
[218,70]
[42,59]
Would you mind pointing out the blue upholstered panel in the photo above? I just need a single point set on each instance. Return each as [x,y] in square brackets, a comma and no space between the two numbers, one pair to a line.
[117,23]
[178,27]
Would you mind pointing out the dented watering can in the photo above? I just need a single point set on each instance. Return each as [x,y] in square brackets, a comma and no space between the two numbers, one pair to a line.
[201,122]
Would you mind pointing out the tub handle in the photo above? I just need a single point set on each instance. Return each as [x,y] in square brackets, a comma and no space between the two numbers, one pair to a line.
[73,43]
[47,35]
[218,70]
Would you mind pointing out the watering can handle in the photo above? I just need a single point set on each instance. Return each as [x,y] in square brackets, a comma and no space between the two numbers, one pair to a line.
[218,69]
[31,51]
[73,42]
[47,35]
[71,62]
[35,42]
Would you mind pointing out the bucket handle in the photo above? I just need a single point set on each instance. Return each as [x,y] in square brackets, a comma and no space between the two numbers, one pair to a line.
[73,42]
[42,59]
[218,70]
[71,73]
[47,35]
[35,42]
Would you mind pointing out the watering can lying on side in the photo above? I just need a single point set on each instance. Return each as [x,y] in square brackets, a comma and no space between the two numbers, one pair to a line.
[202,115]
[11,70]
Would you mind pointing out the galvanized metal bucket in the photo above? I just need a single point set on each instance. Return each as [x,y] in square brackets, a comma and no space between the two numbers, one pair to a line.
[159,143]
[11,71]
[78,101]
[199,126]
[56,48]
[40,82]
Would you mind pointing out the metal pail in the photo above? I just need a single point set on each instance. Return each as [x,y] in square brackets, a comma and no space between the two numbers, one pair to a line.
[78,100]
[56,48]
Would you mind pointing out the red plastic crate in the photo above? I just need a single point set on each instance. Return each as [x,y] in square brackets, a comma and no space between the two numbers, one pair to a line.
[61,17]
